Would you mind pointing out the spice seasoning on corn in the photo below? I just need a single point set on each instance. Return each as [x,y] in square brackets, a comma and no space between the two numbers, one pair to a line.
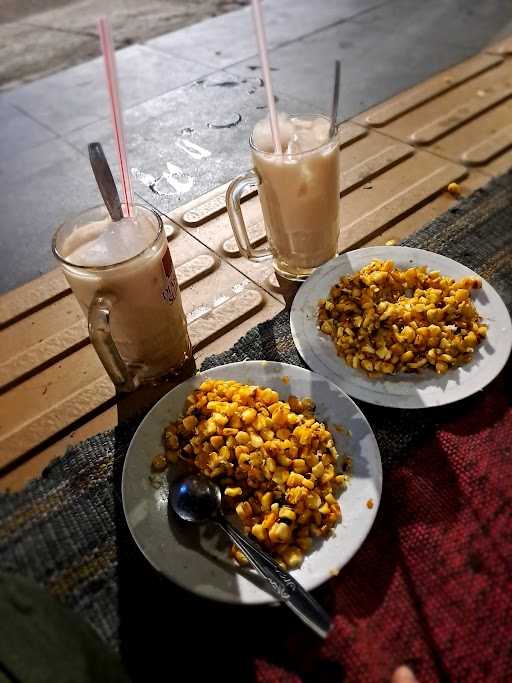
[385,320]
[275,463]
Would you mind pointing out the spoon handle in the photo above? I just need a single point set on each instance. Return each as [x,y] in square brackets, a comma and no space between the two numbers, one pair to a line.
[335,98]
[283,584]
[105,181]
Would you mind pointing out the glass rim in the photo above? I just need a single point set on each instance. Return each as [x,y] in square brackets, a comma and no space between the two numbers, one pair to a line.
[63,260]
[292,155]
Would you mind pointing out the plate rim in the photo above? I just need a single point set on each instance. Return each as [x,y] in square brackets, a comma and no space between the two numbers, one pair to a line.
[393,401]
[372,513]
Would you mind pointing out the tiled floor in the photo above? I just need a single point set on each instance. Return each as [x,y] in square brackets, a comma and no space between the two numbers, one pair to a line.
[382,52]
[76,97]
[38,186]
[173,83]
[155,138]
[224,40]
[19,132]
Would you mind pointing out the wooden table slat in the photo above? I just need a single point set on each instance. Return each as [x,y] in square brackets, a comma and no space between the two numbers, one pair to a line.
[31,296]
[494,145]
[459,116]
[435,86]
[402,203]
[17,478]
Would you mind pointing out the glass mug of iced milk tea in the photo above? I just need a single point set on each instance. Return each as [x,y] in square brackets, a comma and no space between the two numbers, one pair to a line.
[123,277]
[299,192]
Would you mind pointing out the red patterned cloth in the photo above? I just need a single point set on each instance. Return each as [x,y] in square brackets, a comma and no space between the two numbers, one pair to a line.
[431,586]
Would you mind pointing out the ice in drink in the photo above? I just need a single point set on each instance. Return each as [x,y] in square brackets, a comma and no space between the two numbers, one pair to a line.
[129,262]
[299,191]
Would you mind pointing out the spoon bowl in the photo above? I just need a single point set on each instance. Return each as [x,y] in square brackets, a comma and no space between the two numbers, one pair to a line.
[197,499]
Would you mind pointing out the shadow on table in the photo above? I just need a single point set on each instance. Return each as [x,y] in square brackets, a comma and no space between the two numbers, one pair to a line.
[134,405]
[168,632]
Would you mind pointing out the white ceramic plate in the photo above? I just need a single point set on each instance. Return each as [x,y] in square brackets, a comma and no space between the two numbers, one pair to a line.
[195,557]
[422,390]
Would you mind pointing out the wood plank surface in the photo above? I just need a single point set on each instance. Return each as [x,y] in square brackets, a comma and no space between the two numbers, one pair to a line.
[467,124]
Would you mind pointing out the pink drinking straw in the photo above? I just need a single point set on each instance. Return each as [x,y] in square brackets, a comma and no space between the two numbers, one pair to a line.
[263,50]
[115,109]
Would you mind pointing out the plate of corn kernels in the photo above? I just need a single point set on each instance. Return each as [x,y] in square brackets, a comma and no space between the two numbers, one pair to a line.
[401,327]
[298,468]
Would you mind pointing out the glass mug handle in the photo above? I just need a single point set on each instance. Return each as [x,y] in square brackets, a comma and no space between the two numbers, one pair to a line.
[234,195]
[104,345]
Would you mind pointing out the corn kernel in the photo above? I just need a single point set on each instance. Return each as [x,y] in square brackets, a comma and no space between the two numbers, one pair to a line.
[233,491]
[280,476]
[313,501]
[256,441]
[239,556]
[217,441]
[189,422]
[242,438]
[159,463]
[248,415]
[470,339]
[286,515]
[171,440]
[318,470]
[408,333]
[266,501]
[299,465]
[292,557]
[244,511]
[259,532]
[283,460]
[280,533]
[220,419]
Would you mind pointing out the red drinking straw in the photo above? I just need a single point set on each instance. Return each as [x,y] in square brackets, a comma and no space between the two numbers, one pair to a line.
[115,109]
[263,51]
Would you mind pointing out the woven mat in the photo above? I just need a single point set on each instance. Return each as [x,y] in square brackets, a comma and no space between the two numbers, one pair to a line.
[429,587]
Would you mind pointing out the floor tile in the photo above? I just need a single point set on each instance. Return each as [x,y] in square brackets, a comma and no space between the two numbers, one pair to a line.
[18,132]
[76,97]
[223,40]
[46,45]
[174,129]
[453,22]
[40,187]
[373,67]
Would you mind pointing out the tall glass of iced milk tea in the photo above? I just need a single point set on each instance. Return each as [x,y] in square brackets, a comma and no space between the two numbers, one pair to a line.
[299,192]
[123,277]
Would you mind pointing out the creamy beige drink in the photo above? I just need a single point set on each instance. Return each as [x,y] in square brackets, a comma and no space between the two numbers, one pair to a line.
[299,192]
[126,268]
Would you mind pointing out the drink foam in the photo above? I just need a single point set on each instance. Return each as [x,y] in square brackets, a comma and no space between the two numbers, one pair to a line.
[296,134]
[105,243]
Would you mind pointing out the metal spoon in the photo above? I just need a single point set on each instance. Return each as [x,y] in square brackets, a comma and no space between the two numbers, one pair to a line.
[197,499]
[105,180]
[335,98]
